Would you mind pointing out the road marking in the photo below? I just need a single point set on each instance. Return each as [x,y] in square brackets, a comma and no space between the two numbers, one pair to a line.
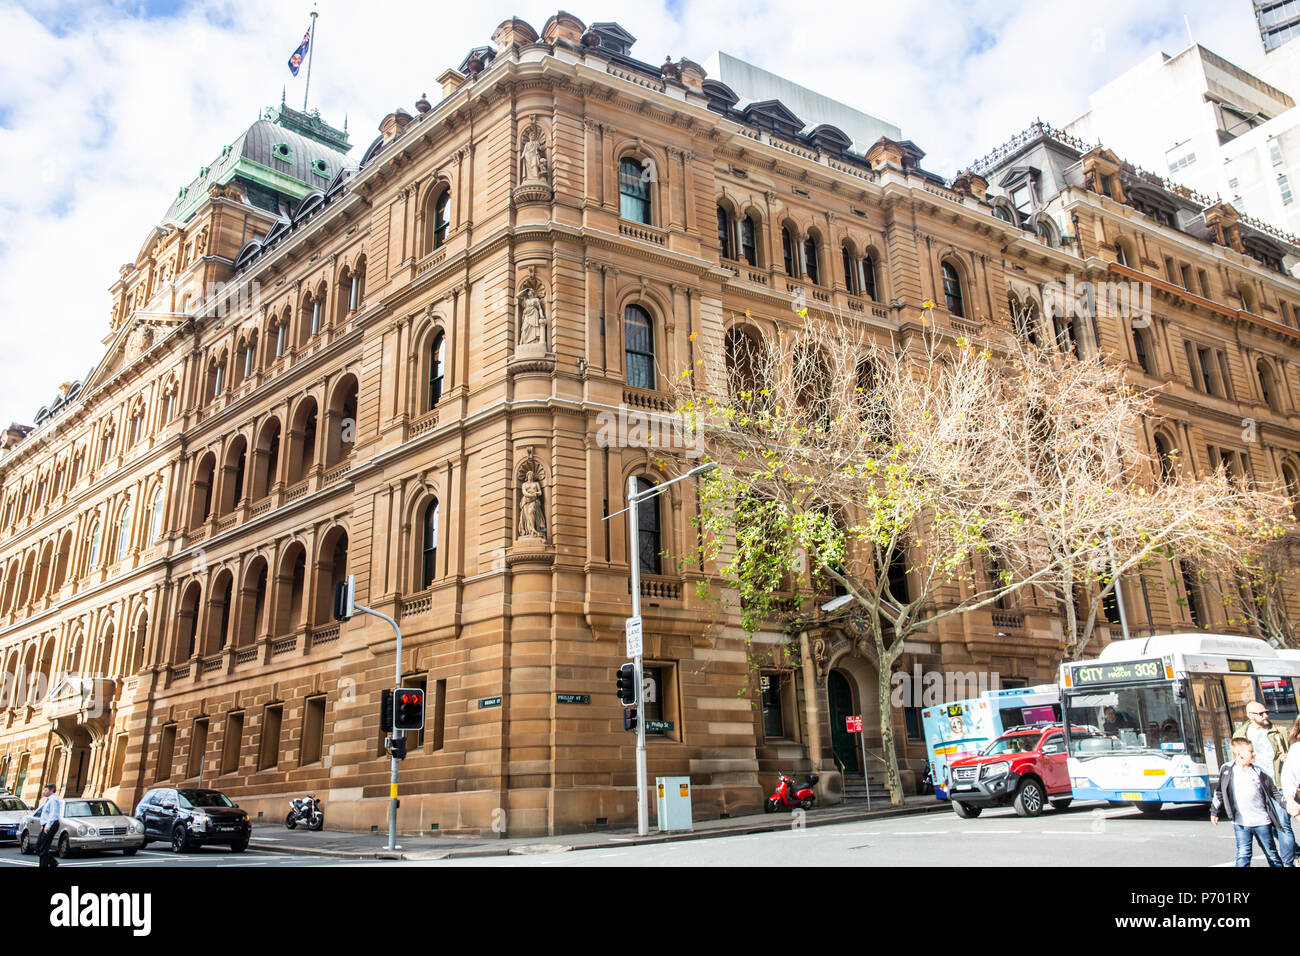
[604,856]
[920,833]
[1068,832]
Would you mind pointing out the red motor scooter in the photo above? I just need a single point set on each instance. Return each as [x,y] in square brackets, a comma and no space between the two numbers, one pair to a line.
[789,795]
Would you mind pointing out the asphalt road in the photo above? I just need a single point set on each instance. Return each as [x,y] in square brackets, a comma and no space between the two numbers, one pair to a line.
[1089,835]
[1086,835]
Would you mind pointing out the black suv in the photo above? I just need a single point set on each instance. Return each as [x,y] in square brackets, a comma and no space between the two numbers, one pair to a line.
[191,818]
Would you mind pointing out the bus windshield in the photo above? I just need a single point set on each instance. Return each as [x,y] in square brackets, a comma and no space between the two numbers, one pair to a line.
[1134,718]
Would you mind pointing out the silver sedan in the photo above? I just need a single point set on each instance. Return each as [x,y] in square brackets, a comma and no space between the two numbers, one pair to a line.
[86,825]
[12,814]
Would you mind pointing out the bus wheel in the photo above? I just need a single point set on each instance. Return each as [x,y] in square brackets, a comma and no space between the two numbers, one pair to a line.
[965,811]
[1063,804]
[1149,808]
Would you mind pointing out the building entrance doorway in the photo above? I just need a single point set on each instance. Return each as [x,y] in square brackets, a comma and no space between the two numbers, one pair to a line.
[839,695]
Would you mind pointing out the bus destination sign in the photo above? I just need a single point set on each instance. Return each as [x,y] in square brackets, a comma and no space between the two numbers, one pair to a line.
[1087,674]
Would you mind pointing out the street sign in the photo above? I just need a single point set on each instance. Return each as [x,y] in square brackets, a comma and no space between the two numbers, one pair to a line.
[489,702]
[658,726]
[853,725]
[573,698]
[634,637]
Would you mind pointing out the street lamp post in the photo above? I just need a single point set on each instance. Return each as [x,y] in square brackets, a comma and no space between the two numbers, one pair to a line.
[634,499]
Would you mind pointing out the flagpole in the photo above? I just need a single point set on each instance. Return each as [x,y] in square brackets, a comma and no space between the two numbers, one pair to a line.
[311,51]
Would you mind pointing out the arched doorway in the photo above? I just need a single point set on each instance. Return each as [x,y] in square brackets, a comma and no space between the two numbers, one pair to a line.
[839,697]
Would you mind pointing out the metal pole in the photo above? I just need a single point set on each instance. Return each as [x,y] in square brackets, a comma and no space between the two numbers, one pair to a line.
[634,551]
[866,781]
[397,735]
[311,50]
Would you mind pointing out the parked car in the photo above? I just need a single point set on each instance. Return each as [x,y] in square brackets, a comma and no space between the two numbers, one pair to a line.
[1025,768]
[86,825]
[12,814]
[191,818]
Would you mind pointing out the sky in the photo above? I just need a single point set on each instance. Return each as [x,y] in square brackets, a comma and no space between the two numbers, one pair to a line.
[107,107]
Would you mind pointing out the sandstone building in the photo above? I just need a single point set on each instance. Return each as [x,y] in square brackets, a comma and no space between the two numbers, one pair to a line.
[316,368]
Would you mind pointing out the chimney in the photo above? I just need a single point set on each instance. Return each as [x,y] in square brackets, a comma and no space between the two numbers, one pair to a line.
[451,81]
[395,123]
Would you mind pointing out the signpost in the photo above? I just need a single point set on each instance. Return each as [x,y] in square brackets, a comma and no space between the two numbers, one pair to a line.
[853,724]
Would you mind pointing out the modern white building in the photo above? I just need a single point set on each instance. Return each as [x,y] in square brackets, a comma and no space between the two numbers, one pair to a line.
[753,84]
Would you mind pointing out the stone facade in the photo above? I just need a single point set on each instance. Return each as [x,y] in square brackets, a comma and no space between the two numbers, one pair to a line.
[411,379]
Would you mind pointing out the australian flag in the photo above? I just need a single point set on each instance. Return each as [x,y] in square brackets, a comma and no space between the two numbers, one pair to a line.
[295,61]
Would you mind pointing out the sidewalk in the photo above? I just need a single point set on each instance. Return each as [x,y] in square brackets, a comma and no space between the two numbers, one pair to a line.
[371,846]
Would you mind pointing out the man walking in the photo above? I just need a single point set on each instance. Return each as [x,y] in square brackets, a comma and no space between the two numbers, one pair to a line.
[1250,798]
[1270,745]
[51,812]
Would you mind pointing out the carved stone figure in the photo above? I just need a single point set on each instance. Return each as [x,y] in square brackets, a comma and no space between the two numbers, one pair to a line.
[532,516]
[532,322]
[534,160]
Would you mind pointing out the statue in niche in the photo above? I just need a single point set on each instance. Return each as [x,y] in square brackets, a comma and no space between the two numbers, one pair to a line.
[533,159]
[532,514]
[532,321]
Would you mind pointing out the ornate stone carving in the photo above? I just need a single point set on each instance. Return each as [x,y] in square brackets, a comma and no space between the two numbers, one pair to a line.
[534,168]
[532,501]
[532,322]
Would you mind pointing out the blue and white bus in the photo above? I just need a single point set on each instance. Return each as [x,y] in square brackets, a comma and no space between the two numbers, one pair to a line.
[960,728]
[1167,707]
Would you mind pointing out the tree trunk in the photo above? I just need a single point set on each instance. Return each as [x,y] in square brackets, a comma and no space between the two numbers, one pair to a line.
[892,777]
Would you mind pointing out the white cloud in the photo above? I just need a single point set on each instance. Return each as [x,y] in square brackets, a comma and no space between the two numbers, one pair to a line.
[106,111]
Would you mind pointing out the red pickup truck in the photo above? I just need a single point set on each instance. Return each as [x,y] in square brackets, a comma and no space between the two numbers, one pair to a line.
[1025,767]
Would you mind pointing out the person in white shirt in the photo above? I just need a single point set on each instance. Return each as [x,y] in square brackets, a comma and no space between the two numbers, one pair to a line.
[51,813]
[1252,802]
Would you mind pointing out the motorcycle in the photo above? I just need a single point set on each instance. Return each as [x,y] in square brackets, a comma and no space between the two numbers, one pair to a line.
[789,795]
[305,810]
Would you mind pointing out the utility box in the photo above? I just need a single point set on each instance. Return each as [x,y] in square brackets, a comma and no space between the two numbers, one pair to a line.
[674,803]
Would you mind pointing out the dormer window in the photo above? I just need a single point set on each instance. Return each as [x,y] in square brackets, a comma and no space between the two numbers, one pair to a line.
[321,168]
[282,152]
[1023,199]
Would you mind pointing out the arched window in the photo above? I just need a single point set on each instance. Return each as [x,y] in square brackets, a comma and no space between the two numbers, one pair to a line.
[952,293]
[436,350]
[788,251]
[155,517]
[1142,349]
[1292,480]
[1165,454]
[649,543]
[429,549]
[1266,385]
[441,223]
[810,260]
[748,244]
[640,352]
[725,247]
[1121,254]
[633,192]
[869,278]
[93,559]
[124,533]
[850,271]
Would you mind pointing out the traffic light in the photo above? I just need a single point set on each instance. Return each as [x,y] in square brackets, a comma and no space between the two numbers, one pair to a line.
[408,710]
[627,684]
[397,747]
[386,711]
[629,718]
[345,593]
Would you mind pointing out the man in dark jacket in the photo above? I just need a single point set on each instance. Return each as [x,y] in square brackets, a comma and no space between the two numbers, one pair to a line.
[1251,799]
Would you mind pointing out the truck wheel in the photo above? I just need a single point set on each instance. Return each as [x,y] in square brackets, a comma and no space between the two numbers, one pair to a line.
[1149,808]
[1062,805]
[1029,799]
[965,810]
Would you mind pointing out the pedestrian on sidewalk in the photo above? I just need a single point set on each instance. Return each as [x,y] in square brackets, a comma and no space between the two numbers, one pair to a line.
[1289,784]
[51,813]
[1271,746]
[1251,799]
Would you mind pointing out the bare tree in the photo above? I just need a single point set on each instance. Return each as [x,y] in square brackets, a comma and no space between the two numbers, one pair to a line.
[893,471]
